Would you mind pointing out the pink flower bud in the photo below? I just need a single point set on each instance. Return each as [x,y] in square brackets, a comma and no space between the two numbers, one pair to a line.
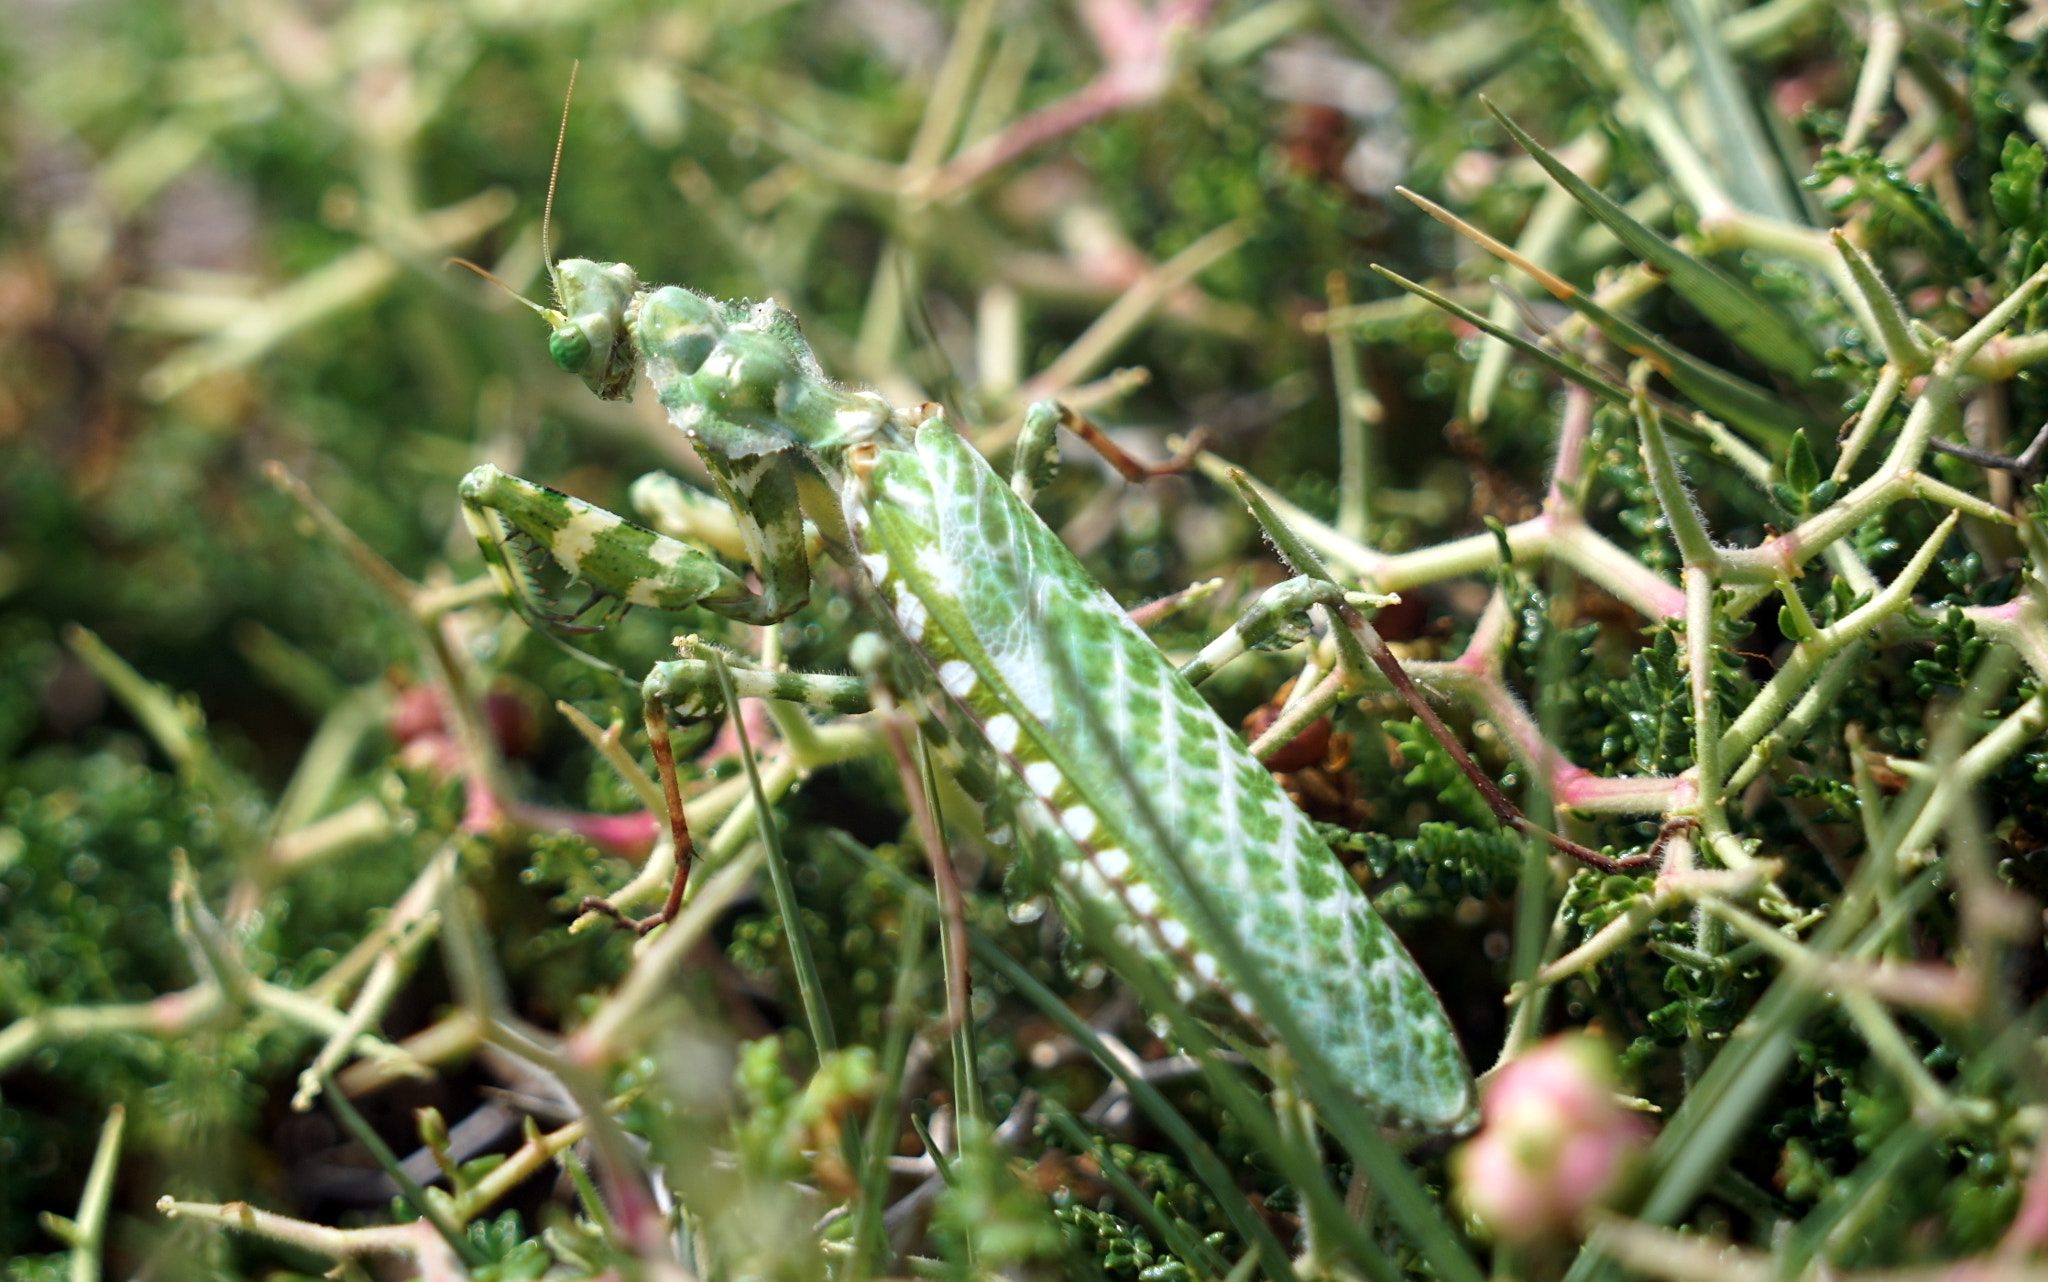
[1553,1141]
[415,711]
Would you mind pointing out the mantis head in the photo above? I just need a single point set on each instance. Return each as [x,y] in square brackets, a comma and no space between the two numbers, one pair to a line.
[590,337]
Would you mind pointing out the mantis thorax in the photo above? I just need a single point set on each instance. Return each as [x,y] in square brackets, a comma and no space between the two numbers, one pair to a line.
[739,377]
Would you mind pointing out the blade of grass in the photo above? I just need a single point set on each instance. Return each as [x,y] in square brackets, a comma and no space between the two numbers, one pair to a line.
[966,1062]
[1570,371]
[408,1188]
[1202,1159]
[869,1240]
[1198,1255]
[1358,414]
[1554,218]
[1732,307]
[1755,177]
[809,987]
[1726,395]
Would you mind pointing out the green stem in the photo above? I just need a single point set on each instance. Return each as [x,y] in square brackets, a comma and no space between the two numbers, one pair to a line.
[870,1245]
[408,1188]
[809,987]
[89,1229]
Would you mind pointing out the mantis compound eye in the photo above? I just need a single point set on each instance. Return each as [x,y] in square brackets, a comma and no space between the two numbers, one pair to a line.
[570,347]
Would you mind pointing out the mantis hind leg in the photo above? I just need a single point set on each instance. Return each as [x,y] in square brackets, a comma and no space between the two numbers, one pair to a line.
[1359,644]
[679,833]
[691,688]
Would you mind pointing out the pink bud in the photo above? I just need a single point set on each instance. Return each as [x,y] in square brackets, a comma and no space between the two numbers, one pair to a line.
[754,713]
[415,711]
[1552,1143]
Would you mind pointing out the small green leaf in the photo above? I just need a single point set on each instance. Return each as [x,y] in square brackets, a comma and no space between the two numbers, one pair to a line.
[2016,187]
[1431,769]
[1802,474]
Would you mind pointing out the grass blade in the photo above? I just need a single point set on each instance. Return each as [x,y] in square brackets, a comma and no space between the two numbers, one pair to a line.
[1749,321]
[1725,395]
[1748,162]
[1207,1166]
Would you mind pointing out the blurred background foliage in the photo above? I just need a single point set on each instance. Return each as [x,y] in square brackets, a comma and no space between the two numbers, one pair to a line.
[222,242]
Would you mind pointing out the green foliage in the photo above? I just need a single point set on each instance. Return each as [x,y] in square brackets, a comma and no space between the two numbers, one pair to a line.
[1441,865]
[1648,710]
[864,910]
[1802,492]
[1431,771]
[1957,652]
[992,1217]
[510,1255]
[223,237]
[1908,211]
[782,1117]
[1121,1248]
[55,1267]
[85,874]
[2016,187]
[1624,490]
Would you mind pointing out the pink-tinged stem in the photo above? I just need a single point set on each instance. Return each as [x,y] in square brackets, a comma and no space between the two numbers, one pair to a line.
[629,835]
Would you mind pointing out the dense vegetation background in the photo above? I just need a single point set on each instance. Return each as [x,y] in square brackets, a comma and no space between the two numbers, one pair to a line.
[272,750]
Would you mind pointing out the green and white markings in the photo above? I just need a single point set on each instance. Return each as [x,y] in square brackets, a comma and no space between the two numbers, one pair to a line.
[624,564]
[1149,811]
[1136,786]
[689,688]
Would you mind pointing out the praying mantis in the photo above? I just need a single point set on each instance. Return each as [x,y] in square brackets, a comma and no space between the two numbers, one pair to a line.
[1089,752]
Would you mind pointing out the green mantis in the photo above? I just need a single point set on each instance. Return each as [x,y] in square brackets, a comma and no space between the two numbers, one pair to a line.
[1090,753]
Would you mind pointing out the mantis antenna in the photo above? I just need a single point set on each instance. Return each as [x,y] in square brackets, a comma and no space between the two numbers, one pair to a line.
[458,261]
[547,209]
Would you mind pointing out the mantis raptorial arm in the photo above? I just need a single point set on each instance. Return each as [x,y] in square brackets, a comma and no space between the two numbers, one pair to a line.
[623,564]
